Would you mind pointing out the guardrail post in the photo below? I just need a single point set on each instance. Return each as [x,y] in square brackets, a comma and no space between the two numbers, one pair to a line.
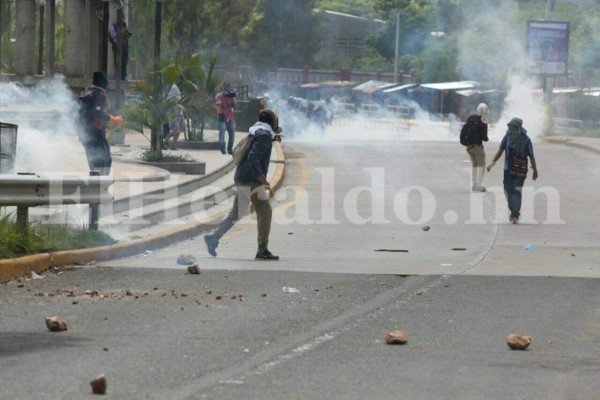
[22,218]
[94,208]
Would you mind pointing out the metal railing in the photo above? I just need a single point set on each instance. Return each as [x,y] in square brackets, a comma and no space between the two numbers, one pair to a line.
[30,190]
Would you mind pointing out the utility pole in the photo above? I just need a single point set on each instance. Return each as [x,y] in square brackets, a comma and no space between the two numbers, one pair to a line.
[548,81]
[397,52]
[51,39]
[157,30]
[40,68]
[105,15]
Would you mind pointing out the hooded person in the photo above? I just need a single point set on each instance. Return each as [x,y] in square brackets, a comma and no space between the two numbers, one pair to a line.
[517,148]
[479,122]
[96,116]
[252,186]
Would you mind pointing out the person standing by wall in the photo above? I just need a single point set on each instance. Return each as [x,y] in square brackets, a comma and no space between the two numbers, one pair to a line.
[125,35]
[477,127]
[226,102]
[252,185]
[517,147]
[95,105]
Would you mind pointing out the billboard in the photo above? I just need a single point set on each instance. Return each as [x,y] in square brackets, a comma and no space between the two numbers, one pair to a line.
[547,47]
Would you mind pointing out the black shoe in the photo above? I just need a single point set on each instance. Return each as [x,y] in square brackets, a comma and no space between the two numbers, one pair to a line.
[211,244]
[265,255]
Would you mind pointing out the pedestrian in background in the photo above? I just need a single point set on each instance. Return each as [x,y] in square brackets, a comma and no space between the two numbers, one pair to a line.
[478,126]
[252,185]
[517,148]
[176,120]
[95,107]
[125,35]
[226,102]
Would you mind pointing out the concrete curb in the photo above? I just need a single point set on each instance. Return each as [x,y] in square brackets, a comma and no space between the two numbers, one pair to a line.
[571,143]
[22,266]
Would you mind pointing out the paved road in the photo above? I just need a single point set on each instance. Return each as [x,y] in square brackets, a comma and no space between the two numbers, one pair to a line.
[188,336]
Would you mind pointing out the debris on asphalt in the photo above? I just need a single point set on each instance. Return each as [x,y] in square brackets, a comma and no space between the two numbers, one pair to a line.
[263,295]
[186,259]
[286,289]
[426,228]
[99,384]
[528,247]
[459,249]
[56,324]
[517,342]
[396,337]
[36,276]
[446,265]
[393,250]
[193,269]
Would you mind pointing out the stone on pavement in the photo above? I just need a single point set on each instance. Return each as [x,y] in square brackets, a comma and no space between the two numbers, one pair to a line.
[517,342]
[396,337]
[99,384]
[56,324]
[193,269]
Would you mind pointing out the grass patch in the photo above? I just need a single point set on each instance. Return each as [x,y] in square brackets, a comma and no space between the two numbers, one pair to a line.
[46,237]
[151,156]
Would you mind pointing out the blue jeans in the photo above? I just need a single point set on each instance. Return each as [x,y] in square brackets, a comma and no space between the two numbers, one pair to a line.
[513,186]
[230,127]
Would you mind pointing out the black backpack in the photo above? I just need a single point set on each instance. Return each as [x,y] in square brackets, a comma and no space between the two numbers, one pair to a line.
[86,105]
[469,134]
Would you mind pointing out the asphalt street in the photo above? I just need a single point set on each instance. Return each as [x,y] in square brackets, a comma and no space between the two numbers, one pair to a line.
[376,236]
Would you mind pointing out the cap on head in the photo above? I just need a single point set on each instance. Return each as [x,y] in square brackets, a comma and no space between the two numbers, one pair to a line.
[99,80]
[515,123]
[269,116]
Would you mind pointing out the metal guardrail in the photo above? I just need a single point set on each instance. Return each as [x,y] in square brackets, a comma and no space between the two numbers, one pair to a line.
[30,190]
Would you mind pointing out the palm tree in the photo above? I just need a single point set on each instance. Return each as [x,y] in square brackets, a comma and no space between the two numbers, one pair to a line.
[153,109]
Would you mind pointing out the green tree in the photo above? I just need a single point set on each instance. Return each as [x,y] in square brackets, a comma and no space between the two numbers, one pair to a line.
[585,49]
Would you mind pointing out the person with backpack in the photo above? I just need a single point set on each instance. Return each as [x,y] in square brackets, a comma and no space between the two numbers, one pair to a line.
[95,116]
[472,135]
[252,185]
[517,147]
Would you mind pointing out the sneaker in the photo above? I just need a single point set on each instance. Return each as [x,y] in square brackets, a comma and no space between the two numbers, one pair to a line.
[211,244]
[514,220]
[476,188]
[265,255]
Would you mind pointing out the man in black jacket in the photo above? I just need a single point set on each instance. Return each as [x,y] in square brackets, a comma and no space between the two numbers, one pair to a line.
[93,136]
[252,185]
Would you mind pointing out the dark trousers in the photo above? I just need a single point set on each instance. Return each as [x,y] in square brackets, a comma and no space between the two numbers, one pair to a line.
[97,151]
[513,187]
[124,59]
